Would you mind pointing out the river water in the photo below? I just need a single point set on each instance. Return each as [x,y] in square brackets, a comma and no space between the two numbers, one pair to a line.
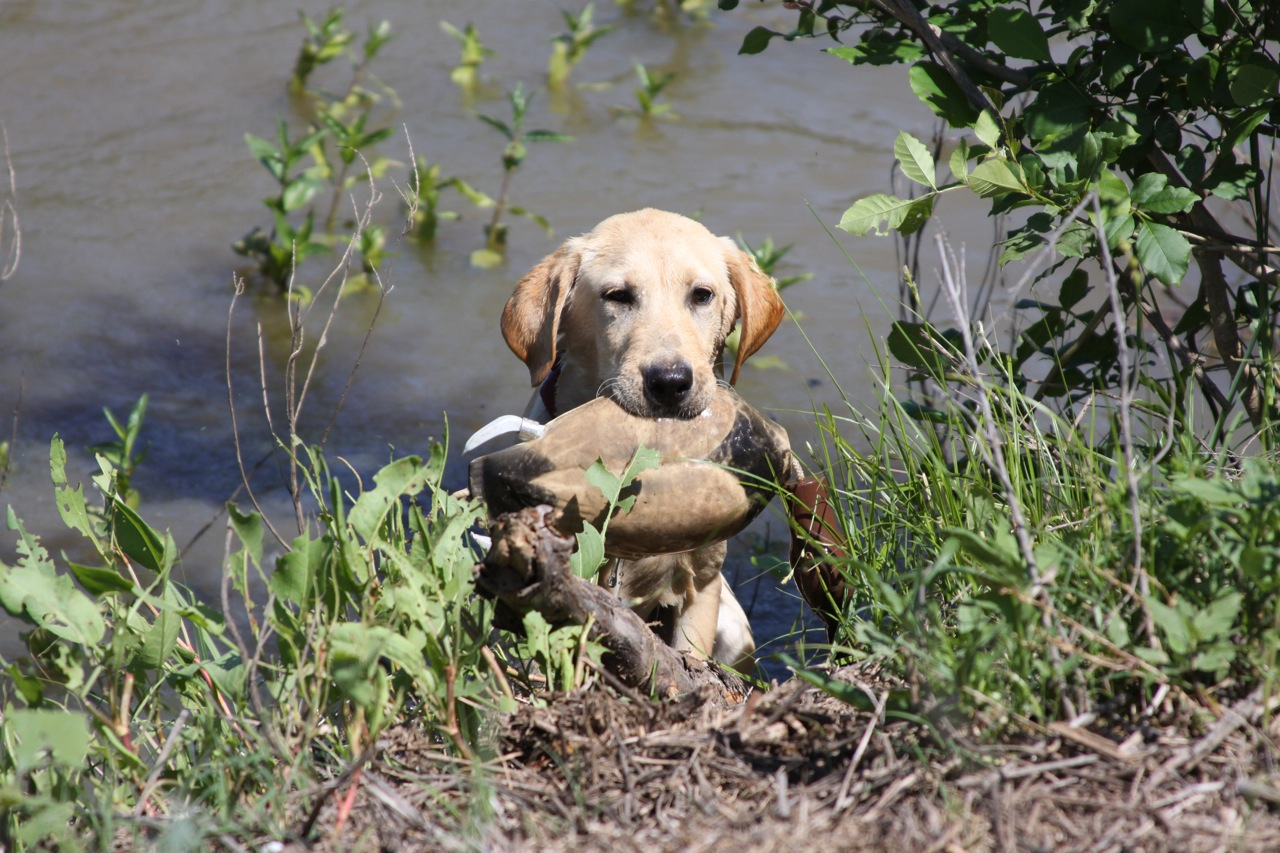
[126,123]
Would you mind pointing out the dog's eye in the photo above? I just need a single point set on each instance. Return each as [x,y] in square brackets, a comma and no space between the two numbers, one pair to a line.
[702,296]
[620,295]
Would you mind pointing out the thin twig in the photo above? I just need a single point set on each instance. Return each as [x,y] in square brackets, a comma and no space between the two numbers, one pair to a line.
[9,208]
[235,428]
[1124,359]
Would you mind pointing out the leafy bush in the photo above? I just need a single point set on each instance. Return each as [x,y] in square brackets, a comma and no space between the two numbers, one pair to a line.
[136,700]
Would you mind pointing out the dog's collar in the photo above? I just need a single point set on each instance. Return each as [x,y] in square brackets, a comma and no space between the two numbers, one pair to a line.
[547,390]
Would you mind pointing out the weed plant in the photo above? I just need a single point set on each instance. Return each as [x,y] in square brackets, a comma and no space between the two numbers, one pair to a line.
[1013,561]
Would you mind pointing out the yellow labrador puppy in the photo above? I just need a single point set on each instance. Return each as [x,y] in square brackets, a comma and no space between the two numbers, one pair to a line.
[638,310]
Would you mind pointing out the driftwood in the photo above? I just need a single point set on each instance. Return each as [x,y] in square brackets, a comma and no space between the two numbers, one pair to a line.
[528,569]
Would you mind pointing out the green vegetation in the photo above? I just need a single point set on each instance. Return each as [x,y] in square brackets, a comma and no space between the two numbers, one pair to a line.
[342,118]
[1078,516]
[513,155]
[567,49]
[1078,519]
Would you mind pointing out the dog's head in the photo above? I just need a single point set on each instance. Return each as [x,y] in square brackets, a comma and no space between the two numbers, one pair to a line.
[638,309]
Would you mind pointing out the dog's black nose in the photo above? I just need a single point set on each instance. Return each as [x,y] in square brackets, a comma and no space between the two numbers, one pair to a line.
[668,385]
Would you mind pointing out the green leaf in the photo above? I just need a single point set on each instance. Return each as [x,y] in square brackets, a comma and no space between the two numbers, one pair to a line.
[249,530]
[920,346]
[936,88]
[1218,619]
[1019,34]
[915,159]
[1074,288]
[1254,82]
[992,178]
[137,539]
[34,591]
[589,556]
[959,161]
[98,580]
[297,193]
[1211,492]
[903,215]
[61,737]
[1152,192]
[403,477]
[1060,110]
[1173,625]
[988,131]
[1151,26]
[1163,252]
[756,41]
[605,480]
[295,572]
[158,643]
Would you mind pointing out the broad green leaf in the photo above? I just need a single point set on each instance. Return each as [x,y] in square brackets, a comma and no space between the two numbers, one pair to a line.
[137,539]
[1114,195]
[992,178]
[295,572]
[1074,288]
[33,590]
[158,643]
[404,476]
[988,131]
[941,94]
[589,556]
[904,215]
[1152,192]
[1218,619]
[1060,111]
[915,159]
[1018,33]
[99,581]
[959,161]
[1173,625]
[298,193]
[61,737]
[920,346]
[644,459]
[1254,82]
[756,41]
[248,529]
[603,479]
[1151,26]
[1163,252]
[1118,229]
[1211,492]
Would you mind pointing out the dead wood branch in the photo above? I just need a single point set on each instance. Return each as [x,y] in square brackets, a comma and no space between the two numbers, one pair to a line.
[528,569]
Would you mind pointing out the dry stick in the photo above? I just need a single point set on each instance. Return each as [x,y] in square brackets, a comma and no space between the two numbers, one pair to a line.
[334,784]
[528,569]
[1124,358]
[451,711]
[383,292]
[9,265]
[235,428]
[153,778]
[251,660]
[842,798]
[992,450]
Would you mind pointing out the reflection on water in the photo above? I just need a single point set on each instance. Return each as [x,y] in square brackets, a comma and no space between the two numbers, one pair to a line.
[127,118]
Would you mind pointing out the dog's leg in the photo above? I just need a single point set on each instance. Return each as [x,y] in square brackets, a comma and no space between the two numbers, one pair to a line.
[734,646]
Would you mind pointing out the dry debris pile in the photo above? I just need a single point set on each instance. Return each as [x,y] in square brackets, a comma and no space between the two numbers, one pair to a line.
[794,769]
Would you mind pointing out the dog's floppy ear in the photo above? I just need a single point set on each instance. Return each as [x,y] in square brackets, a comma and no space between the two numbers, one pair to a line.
[759,306]
[531,318]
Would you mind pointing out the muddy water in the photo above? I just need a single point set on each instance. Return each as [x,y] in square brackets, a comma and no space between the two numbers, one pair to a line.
[126,123]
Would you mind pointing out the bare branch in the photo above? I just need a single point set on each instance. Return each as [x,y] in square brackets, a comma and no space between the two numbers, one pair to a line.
[9,257]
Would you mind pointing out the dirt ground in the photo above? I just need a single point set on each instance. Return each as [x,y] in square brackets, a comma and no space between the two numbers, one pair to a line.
[793,769]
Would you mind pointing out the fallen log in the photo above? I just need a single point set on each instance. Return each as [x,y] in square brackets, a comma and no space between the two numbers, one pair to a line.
[527,568]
